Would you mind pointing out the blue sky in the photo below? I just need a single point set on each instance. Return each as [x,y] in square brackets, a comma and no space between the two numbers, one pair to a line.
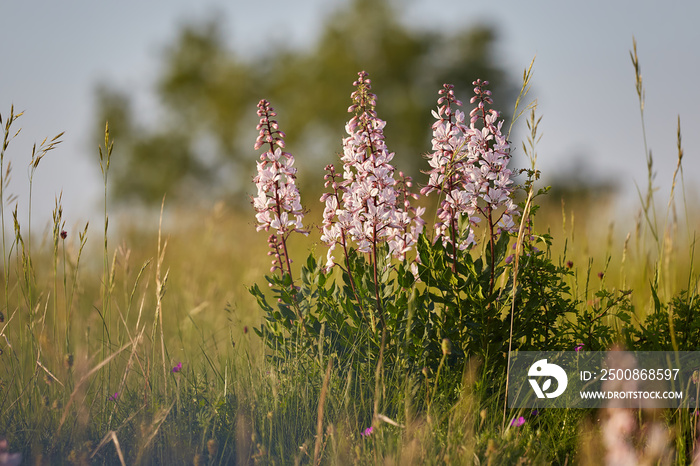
[52,54]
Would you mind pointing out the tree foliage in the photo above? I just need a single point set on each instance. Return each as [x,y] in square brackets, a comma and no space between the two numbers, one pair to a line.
[208,93]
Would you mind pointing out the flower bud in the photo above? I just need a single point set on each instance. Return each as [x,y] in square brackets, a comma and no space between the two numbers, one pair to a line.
[446,346]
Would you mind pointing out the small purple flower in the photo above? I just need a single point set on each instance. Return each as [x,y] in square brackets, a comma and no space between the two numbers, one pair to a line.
[517,422]
[113,397]
[509,259]
[535,413]
[367,432]
[177,368]
[579,347]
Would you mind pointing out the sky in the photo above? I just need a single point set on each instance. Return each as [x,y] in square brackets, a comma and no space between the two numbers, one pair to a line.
[54,54]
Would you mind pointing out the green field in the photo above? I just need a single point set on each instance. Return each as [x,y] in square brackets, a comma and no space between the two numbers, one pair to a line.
[140,344]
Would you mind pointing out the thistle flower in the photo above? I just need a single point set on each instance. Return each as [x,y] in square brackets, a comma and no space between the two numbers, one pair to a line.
[278,203]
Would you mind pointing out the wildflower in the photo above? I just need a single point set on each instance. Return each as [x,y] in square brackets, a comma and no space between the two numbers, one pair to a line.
[277,204]
[469,168]
[113,397]
[601,275]
[7,458]
[409,222]
[370,198]
[579,347]
[448,173]
[617,430]
[517,422]
[336,221]
[509,259]
[446,346]
[620,430]
[177,368]
[367,432]
[365,205]
[64,234]
[569,264]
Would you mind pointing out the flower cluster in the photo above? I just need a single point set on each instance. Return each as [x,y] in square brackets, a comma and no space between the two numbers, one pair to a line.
[410,219]
[364,205]
[277,203]
[469,167]
[368,205]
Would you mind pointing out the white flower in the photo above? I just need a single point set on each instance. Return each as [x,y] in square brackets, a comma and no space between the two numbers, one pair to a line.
[366,209]
[468,166]
[277,204]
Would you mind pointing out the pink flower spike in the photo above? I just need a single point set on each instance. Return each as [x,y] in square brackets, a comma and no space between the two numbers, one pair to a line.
[369,206]
[278,203]
[367,432]
[469,168]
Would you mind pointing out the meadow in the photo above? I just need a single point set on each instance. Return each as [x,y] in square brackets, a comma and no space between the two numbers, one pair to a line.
[170,341]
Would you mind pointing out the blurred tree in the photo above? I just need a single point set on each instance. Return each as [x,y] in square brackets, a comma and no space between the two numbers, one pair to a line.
[146,165]
[209,96]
